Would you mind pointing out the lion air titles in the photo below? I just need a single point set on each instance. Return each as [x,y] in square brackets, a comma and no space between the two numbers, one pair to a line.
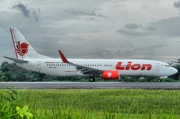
[130,66]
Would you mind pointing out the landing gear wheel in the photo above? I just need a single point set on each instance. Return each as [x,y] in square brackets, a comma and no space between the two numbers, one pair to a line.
[91,79]
[159,80]
[120,80]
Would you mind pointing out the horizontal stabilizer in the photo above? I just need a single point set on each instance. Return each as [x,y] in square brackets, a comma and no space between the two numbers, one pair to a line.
[16,60]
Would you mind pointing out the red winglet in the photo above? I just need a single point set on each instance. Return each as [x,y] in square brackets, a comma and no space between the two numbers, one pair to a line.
[63,57]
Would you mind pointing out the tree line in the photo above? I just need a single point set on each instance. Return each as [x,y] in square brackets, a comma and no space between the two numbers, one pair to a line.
[12,72]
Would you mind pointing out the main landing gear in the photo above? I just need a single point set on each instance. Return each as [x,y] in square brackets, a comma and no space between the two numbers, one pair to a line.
[91,79]
[159,80]
[121,79]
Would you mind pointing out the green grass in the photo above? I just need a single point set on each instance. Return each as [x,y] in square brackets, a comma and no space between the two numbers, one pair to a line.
[93,103]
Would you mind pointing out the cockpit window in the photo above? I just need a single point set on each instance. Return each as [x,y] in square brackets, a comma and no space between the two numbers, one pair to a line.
[167,65]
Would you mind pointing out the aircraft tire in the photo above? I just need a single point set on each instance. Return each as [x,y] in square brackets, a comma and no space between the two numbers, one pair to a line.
[91,79]
[119,80]
[160,80]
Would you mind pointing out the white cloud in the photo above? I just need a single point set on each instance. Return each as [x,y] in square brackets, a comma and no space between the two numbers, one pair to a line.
[138,11]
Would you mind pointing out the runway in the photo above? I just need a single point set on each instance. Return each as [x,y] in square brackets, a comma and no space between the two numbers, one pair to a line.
[89,85]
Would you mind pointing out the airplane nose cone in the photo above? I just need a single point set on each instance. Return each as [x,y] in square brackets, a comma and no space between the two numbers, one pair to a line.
[173,70]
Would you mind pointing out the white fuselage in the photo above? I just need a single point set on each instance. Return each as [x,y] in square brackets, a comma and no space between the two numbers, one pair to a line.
[108,69]
[126,67]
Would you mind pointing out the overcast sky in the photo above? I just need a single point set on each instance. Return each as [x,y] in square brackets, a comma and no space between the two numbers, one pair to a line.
[138,29]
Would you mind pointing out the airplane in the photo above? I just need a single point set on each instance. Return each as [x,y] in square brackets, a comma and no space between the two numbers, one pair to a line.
[107,69]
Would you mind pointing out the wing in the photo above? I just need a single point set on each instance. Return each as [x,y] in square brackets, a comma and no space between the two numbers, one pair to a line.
[83,69]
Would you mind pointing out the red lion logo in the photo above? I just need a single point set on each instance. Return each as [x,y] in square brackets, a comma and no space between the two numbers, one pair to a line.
[22,48]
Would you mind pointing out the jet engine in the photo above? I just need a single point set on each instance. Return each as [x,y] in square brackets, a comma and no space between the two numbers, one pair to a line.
[110,74]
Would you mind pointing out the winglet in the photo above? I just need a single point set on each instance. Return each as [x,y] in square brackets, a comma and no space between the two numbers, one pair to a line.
[63,57]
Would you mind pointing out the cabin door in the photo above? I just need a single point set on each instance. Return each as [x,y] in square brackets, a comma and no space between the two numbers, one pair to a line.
[157,66]
[39,65]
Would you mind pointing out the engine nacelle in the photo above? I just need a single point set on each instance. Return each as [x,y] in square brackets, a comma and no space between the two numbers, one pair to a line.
[110,74]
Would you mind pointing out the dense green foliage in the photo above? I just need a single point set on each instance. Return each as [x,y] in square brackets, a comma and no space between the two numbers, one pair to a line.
[92,104]
[11,72]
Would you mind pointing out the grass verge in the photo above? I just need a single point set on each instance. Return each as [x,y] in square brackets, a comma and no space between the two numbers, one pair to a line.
[91,104]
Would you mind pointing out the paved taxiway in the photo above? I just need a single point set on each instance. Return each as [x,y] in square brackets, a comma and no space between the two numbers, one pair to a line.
[90,85]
